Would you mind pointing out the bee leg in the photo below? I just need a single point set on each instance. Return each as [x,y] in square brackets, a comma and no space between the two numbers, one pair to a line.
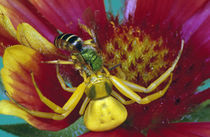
[68,106]
[156,95]
[84,104]
[89,42]
[92,41]
[122,100]
[63,62]
[62,83]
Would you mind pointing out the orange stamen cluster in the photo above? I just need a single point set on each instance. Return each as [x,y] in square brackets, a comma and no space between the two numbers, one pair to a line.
[141,57]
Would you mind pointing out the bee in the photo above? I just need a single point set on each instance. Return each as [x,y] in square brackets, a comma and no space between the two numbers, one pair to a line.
[80,54]
[103,108]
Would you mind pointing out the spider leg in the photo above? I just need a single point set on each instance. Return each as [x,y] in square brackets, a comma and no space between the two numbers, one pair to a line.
[62,83]
[122,100]
[64,62]
[40,114]
[45,100]
[84,105]
[156,95]
[68,106]
[157,82]
[125,90]
[47,115]
[74,99]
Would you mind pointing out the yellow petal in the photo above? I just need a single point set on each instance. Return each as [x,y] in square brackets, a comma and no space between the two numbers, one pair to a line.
[5,21]
[13,60]
[9,108]
[14,54]
[28,36]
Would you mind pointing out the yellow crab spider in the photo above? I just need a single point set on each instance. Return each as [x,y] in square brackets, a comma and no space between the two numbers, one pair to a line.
[103,108]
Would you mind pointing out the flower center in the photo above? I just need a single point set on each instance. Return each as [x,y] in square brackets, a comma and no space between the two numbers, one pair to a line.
[141,57]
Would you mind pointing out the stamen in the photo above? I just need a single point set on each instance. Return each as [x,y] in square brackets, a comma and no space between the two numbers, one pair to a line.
[140,56]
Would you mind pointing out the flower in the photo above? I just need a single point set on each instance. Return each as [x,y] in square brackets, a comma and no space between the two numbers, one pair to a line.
[145,44]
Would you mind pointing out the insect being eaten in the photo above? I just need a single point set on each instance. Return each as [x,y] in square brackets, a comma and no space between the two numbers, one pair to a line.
[103,108]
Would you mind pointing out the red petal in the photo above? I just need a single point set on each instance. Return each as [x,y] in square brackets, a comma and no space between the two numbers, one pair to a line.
[165,12]
[200,40]
[23,11]
[195,22]
[66,14]
[6,40]
[194,129]
[120,132]
[19,61]
[48,124]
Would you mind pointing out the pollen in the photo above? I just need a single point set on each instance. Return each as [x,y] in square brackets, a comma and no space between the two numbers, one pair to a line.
[141,56]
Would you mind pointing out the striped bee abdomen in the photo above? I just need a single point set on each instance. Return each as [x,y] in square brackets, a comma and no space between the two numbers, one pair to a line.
[68,42]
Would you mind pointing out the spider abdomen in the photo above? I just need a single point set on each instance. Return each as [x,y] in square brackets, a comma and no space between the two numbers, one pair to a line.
[104,114]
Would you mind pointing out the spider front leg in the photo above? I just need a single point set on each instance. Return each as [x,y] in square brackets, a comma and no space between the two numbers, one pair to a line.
[63,111]
[156,95]
[63,62]
[60,79]
[125,90]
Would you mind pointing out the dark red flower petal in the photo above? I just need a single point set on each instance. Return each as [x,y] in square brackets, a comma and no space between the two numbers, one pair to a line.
[6,40]
[194,129]
[165,13]
[192,25]
[200,40]
[22,11]
[119,132]
[66,14]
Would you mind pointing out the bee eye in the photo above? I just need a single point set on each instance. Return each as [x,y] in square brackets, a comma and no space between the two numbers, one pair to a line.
[79,45]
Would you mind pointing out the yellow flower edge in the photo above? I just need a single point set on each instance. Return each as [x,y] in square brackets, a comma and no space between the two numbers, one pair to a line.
[9,108]
[13,59]
[5,22]
[26,34]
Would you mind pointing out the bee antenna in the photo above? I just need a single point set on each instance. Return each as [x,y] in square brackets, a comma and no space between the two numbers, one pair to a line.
[59,32]
[114,67]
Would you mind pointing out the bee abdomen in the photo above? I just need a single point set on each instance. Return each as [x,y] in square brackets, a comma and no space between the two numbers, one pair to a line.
[68,41]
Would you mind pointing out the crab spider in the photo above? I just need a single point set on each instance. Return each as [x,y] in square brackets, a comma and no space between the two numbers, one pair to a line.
[103,108]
